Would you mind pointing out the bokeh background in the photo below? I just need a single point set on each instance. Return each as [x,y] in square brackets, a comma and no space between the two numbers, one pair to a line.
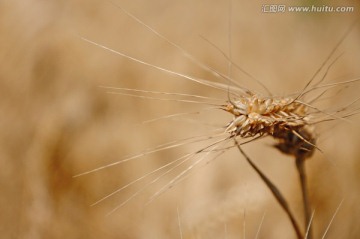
[57,121]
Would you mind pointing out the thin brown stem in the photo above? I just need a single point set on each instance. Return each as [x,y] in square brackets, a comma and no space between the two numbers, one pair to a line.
[275,191]
[300,165]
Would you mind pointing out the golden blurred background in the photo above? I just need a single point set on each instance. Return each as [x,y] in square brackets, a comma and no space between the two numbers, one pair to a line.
[58,121]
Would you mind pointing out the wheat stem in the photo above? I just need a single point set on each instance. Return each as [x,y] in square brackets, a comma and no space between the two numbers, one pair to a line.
[275,191]
[300,165]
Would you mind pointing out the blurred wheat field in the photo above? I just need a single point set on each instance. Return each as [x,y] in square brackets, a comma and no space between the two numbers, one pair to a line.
[57,121]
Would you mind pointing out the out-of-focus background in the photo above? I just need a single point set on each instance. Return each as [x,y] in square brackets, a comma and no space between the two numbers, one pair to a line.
[57,121]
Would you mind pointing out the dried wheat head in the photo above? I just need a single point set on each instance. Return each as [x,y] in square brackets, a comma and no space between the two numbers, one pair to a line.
[285,119]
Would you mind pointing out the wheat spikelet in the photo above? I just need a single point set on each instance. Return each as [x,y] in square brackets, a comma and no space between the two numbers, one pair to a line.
[285,119]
